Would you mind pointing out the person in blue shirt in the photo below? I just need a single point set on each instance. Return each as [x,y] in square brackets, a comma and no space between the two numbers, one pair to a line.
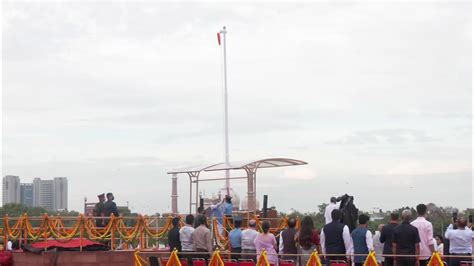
[228,206]
[362,240]
[218,213]
[235,237]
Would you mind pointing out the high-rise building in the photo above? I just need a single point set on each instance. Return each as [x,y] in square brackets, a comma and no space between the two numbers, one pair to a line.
[36,191]
[43,194]
[26,194]
[60,193]
[11,189]
[50,194]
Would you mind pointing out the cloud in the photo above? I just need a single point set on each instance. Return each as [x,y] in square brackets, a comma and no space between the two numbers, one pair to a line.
[298,173]
[126,91]
[384,137]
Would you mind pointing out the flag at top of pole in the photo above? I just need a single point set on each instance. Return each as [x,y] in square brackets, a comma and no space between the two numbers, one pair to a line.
[219,38]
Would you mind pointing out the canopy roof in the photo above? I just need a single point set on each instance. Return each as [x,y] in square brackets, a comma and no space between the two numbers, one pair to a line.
[190,169]
[262,163]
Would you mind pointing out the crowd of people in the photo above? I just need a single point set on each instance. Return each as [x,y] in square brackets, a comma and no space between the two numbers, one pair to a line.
[405,242]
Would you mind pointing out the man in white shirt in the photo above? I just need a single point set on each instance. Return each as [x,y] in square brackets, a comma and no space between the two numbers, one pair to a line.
[378,246]
[335,238]
[248,237]
[332,206]
[185,236]
[425,230]
[460,241]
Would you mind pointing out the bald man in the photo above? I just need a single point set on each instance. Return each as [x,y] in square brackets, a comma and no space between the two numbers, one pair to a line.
[460,241]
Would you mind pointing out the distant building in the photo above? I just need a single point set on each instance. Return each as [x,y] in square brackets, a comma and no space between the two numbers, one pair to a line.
[26,194]
[49,194]
[43,194]
[378,214]
[60,193]
[11,189]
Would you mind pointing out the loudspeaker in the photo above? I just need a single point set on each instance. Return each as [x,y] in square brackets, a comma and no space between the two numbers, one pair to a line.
[265,205]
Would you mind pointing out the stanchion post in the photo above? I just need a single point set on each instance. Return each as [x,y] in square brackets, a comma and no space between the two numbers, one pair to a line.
[141,234]
[5,232]
[112,232]
[81,232]
[21,231]
[25,232]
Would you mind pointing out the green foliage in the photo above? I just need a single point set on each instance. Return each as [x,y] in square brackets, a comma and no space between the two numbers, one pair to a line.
[16,210]
[126,212]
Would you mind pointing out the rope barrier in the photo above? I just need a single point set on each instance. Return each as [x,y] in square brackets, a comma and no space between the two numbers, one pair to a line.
[262,260]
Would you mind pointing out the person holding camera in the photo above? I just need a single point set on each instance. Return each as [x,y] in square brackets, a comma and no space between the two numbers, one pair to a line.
[460,241]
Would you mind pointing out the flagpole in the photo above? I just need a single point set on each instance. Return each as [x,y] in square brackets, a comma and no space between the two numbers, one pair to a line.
[226,119]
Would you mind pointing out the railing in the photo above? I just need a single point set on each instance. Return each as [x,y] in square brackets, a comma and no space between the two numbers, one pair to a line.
[116,231]
[313,259]
[123,229]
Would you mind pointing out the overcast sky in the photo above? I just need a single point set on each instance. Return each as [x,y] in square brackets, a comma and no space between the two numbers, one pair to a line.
[376,97]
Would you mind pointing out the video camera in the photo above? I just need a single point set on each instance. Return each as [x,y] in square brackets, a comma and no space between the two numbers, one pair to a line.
[455,218]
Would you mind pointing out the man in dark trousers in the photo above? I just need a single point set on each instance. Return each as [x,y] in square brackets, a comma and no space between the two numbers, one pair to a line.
[335,238]
[200,211]
[386,237]
[235,238]
[173,235]
[99,210]
[362,240]
[202,241]
[110,206]
[406,241]
[287,243]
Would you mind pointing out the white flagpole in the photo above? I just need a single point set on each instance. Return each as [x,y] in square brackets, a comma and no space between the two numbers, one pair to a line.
[226,122]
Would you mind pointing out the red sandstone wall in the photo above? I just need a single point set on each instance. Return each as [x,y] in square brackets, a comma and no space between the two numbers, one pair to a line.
[70,258]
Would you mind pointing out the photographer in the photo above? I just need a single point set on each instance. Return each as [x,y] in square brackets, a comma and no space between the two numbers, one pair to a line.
[460,241]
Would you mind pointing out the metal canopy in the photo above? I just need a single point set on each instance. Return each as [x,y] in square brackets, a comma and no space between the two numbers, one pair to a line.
[250,167]
[263,163]
[190,169]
